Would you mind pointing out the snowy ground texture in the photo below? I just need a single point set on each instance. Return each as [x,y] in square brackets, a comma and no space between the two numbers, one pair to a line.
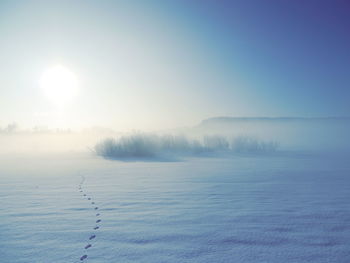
[281,208]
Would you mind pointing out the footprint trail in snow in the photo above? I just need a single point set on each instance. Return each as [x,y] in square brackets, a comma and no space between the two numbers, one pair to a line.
[96,227]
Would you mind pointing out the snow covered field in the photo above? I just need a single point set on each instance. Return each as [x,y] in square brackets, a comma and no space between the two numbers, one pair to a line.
[288,207]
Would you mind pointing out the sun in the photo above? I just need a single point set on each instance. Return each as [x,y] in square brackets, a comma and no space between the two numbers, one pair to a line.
[59,84]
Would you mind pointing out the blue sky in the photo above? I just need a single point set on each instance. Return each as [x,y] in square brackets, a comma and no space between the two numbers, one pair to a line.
[163,64]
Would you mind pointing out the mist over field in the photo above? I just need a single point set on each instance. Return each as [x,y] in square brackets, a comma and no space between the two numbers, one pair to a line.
[144,197]
[215,136]
[242,189]
[313,134]
[177,131]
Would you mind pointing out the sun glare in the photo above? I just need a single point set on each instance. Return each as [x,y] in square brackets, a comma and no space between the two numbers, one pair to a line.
[59,84]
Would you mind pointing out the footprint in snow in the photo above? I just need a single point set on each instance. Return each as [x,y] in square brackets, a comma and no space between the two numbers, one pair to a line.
[87,246]
[92,237]
[98,221]
[96,227]
[83,257]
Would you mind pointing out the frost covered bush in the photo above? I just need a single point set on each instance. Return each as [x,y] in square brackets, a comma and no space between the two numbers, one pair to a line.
[150,145]
[146,145]
[128,146]
[216,142]
[245,144]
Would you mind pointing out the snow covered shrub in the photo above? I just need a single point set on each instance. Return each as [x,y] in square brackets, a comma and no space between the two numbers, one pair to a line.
[136,145]
[216,143]
[150,145]
[146,145]
[244,144]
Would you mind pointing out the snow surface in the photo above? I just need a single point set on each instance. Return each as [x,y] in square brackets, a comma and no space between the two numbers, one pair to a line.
[278,208]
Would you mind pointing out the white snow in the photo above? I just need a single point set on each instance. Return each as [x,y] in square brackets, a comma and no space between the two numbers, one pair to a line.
[244,208]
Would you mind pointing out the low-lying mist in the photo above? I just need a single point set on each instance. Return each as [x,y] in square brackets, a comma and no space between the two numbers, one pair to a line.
[143,145]
[210,137]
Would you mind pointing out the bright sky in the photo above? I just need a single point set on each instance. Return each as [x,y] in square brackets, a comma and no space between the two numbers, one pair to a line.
[161,64]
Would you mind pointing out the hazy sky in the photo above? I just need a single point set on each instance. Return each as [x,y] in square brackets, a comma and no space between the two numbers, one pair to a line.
[160,64]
